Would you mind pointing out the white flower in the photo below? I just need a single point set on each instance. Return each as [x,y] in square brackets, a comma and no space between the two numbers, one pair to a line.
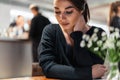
[116,34]
[111,28]
[104,47]
[112,36]
[95,39]
[82,44]
[87,37]
[104,38]
[96,30]
[93,36]
[89,44]
[84,36]
[99,43]
[103,34]
[118,44]
[117,30]
[109,44]
[96,49]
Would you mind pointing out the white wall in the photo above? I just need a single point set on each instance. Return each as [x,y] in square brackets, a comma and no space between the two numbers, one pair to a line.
[5,14]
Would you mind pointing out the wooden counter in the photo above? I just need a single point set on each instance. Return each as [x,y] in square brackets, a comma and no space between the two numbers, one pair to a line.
[30,78]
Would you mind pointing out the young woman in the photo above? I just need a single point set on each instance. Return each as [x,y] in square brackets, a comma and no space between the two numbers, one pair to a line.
[114,17]
[60,54]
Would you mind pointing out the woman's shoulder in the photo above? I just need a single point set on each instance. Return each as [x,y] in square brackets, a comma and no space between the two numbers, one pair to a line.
[52,27]
[95,29]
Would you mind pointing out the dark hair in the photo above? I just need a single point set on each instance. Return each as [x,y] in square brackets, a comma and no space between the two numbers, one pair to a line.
[36,8]
[82,5]
[113,10]
[115,6]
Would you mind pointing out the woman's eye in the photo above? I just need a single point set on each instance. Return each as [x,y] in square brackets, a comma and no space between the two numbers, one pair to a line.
[57,12]
[69,12]
[66,12]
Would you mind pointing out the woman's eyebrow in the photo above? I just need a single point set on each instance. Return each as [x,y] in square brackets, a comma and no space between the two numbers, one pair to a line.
[69,7]
[65,8]
[56,7]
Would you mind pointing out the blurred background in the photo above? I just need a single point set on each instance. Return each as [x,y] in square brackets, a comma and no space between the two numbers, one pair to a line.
[10,9]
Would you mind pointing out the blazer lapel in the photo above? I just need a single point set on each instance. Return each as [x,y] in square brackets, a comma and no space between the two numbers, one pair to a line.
[62,43]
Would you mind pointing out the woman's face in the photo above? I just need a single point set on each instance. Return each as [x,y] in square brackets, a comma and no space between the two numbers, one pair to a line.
[66,14]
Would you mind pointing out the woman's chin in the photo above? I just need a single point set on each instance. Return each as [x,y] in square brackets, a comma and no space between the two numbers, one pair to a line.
[66,27]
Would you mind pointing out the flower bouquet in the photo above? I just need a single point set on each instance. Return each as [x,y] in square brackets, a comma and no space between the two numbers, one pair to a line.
[106,47]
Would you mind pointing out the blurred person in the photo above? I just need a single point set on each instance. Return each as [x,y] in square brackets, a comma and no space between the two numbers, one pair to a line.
[18,22]
[60,53]
[18,28]
[114,15]
[37,24]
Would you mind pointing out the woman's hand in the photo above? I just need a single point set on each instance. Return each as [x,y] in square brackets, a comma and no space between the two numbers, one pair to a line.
[98,70]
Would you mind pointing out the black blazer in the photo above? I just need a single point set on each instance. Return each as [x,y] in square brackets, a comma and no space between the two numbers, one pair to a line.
[37,25]
[54,60]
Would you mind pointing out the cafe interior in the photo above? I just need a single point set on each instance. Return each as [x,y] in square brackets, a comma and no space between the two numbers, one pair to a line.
[16,62]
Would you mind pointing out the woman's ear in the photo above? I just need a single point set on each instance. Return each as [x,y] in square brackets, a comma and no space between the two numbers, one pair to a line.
[82,11]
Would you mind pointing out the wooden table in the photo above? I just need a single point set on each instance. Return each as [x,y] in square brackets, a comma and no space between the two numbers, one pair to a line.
[30,78]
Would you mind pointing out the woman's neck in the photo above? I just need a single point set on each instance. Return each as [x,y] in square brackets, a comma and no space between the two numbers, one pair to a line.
[84,29]
[68,39]
[67,33]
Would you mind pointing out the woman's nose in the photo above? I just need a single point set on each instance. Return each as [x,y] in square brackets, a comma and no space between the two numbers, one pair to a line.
[62,16]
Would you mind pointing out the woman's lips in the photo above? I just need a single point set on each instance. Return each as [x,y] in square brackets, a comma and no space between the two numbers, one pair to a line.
[64,24]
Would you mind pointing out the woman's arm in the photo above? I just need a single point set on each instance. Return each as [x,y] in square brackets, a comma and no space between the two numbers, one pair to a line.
[98,70]
[47,57]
